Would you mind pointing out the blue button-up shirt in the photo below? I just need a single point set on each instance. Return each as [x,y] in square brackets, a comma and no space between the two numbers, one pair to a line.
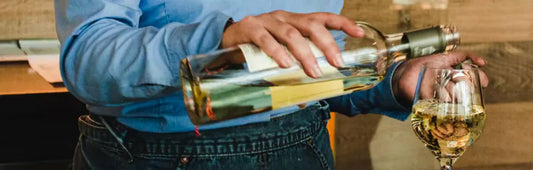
[121,57]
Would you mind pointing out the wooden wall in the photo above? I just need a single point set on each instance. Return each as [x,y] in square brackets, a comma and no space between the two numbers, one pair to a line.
[26,19]
[501,31]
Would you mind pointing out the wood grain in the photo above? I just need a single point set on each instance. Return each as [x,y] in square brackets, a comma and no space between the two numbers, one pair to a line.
[492,20]
[378,142]
[476,20]
[510,70]
[26,19]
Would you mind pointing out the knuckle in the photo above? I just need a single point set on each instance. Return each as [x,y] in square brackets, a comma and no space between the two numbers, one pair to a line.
[292,33]
[277,12]
[264,16]
[314,27]
[262,38]
[313,19]
[317,17]
[249,19]
[274,49]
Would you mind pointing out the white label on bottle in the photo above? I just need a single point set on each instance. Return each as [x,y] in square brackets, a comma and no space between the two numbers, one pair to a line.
[257,59]
[283,96]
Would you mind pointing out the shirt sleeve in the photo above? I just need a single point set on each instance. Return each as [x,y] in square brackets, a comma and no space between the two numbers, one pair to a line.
[379,99]
[108,60]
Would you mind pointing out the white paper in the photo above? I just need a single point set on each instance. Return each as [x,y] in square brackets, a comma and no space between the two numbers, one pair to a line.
[45,46]
[47,65]
[9,51]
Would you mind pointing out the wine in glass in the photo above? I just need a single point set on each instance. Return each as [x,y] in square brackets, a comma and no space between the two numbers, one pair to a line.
[448,113]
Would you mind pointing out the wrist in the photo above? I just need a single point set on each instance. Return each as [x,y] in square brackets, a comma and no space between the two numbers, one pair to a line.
[397,87]
[228,24]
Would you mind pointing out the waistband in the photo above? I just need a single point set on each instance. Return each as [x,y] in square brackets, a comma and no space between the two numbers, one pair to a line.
[278,133]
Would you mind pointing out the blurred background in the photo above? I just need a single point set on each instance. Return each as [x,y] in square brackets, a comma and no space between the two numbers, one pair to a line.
[38,123]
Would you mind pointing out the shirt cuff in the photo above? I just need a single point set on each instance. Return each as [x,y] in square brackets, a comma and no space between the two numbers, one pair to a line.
[385,101]
[197,38]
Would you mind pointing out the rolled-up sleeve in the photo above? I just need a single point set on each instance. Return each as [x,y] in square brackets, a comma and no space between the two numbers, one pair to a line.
[108,60]
[379,99]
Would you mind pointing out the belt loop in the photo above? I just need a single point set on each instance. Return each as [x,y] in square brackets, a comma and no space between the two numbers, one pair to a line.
[324,110]
[119,139]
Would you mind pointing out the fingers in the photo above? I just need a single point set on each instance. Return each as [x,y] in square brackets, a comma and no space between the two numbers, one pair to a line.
[273,30]
[325,42]
[455,58]
[443,131]
[484,79]
[260,36]
[295,42]
[345,24]
[450,129]
[458,57]
[316,26]
[332,21]
[477,60]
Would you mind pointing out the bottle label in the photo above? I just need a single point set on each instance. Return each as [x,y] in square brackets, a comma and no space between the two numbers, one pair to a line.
[257,59]
[283,96]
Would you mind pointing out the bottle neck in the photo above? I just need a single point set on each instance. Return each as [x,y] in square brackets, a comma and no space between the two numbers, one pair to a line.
[411,44]
[427,41]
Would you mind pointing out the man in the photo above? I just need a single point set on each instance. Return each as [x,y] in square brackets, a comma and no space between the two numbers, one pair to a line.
[121,58]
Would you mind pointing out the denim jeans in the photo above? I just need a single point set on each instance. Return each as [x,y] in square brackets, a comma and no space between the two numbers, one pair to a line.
[294,141]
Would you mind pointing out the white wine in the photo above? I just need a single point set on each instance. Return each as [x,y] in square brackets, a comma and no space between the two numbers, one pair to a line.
[236,82]
[220,97]
[447,129]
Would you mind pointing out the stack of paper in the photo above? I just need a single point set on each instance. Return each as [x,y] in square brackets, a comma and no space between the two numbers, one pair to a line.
[42,55]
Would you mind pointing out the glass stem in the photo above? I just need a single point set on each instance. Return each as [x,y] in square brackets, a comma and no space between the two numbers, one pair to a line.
[446,163]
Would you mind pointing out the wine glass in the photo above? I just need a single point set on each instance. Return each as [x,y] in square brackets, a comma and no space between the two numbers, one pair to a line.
[448,112]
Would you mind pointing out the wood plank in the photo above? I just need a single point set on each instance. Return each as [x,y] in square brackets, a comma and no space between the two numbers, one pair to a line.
[378,142]
[27,19]
[492,21]
[510,66]
[476,20]
[19,78]
[506,139]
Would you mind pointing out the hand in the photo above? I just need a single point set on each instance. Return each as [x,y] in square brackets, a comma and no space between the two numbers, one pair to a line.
[271,30]
[406,75]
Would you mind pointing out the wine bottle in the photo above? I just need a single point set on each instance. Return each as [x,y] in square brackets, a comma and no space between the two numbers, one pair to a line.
[240,81]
